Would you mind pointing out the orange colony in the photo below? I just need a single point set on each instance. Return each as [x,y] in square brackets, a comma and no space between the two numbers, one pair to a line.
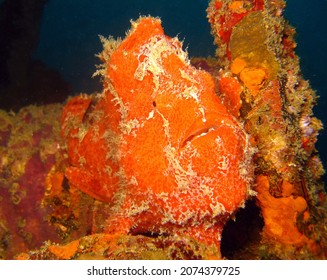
[157,144]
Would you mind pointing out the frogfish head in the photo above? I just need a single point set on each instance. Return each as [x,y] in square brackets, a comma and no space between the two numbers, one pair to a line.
[157,142]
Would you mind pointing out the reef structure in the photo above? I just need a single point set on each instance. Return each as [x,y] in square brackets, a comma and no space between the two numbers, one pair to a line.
[259,65]
[29,142]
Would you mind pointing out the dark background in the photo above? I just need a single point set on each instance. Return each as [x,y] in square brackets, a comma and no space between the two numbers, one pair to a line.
[70,28]
[68,40]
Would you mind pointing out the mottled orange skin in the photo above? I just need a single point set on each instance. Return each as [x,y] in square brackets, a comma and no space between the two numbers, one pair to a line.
[174,162]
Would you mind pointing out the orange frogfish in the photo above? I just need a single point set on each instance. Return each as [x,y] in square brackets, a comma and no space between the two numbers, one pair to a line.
[157,144]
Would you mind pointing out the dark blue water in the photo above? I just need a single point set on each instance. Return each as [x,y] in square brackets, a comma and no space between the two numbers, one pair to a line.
[310,20]
[70,28]
[69,34]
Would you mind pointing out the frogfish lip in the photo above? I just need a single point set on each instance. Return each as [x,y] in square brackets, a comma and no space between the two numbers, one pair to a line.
[198,132]
[200,128]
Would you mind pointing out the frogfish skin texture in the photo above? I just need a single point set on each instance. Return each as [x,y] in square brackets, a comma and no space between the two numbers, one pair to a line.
[157,144]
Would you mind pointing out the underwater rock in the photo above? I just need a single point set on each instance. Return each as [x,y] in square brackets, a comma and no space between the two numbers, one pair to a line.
[157,144]
[256,49]
[122,247]
[29,148]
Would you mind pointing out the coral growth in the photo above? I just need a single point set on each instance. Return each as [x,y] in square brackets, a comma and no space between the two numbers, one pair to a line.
[28,148]
[277,112]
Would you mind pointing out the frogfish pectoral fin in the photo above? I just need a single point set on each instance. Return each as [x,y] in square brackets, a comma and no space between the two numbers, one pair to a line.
[86,182]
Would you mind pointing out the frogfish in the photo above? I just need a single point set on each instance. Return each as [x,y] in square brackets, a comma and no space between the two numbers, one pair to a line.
[157,144]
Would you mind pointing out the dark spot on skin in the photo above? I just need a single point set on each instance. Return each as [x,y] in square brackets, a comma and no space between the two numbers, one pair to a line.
[65,184]
[154,104]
